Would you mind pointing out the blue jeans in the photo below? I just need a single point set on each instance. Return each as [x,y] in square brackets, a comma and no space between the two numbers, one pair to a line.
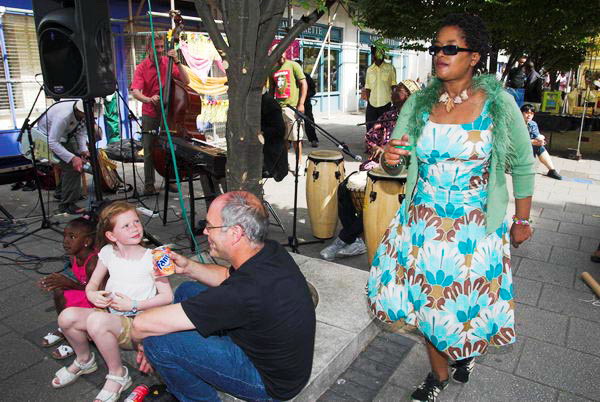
[193,366]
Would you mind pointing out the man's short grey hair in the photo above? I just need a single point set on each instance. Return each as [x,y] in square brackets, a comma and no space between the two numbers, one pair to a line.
[248,213]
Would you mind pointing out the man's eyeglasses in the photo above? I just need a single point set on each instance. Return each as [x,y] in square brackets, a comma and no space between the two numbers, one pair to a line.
[448,50]
[209,227]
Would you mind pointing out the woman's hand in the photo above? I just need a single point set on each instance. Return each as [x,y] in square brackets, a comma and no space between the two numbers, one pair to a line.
[376,152]
[391,154]
[121,302]
[54,281]
[519,233]
[99,298]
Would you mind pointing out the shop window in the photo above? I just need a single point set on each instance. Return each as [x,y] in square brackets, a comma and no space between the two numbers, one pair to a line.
[322,76]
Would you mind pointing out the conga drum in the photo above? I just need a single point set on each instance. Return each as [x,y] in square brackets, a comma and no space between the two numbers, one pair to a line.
[324,173]
[383,196]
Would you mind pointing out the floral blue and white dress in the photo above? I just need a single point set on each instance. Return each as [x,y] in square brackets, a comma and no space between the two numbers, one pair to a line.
[436,268]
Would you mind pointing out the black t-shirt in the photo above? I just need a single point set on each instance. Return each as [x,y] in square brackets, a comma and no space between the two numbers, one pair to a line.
[266,308]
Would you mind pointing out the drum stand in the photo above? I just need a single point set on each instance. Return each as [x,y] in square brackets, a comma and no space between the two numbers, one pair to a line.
[46,223]
[293,242]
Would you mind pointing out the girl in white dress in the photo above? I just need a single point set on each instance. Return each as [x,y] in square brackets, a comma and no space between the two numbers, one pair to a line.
[130,288]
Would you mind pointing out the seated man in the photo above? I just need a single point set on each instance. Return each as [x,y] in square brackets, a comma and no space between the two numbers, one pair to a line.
[538,141]
[248,330]
[349,242]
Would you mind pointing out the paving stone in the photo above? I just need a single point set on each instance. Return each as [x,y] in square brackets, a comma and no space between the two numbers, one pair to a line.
[571,258]
[17,355]
[527,291]
[547,237]
[547,224]
[569,302]
[34,384]
[396,338]
[584,336]
[388,357]
[373,368]
[591,220]
[392,393]
[566,397]
[579,230]
[535,250]
[22,296]
[545,272]
[541,324]
[577,372]
[562,216]
[10,277]
[515,261]
[388,347]
[41,317]
[588,245]
[503,358]
[331,396]
[493,385]
[581,208]
[4,329]
[362,378]
[353,390]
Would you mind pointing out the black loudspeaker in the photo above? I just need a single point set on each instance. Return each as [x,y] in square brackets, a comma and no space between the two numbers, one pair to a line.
[75,47]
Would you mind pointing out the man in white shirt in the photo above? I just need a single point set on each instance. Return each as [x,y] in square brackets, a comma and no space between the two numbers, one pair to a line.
[64,124]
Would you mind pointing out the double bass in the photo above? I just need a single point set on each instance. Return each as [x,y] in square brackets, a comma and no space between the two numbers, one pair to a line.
[182,106]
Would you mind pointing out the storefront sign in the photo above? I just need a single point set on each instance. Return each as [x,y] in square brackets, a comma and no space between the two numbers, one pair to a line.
[315,32]
[367,38]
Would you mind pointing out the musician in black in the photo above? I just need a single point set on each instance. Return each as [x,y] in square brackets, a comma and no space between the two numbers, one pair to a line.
[275,162]
[144,88]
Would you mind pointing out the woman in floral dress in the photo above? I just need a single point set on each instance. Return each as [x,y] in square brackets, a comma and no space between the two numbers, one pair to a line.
[444,262]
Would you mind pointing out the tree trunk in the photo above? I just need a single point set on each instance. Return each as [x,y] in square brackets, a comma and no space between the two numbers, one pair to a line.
[493,60]
[244,149]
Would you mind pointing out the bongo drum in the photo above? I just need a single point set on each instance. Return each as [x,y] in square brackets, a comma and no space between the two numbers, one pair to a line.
[324,173]
[383,196]
[356,183]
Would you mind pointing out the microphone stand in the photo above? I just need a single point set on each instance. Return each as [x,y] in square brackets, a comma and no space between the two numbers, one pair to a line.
[342,146]
[46,223]
[293,242]
[131,117]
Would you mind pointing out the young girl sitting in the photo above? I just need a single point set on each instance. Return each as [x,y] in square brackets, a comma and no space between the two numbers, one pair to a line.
[69,288]
[130,288]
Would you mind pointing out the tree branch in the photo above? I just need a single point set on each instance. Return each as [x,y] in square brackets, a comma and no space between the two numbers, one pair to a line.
[211,26]
[296,30]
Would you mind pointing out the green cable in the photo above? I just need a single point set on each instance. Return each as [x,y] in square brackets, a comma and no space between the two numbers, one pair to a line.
[164,117]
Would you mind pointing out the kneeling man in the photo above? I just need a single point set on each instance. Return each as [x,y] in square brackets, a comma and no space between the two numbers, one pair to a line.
[248,330]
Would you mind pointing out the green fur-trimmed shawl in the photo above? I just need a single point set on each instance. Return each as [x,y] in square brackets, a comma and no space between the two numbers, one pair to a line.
[511,146]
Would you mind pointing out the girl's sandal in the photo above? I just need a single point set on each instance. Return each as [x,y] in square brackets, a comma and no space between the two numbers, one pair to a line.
[62,352]
[52,338]
[124,381]
[65,377]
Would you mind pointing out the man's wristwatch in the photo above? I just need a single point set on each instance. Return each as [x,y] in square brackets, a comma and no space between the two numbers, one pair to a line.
[134,308]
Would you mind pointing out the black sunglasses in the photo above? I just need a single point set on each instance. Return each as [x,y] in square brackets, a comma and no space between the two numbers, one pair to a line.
[448,50]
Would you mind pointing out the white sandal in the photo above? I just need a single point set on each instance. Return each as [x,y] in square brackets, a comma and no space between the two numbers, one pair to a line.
[52,338]
[124,381]
[65,377]
[62,352]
